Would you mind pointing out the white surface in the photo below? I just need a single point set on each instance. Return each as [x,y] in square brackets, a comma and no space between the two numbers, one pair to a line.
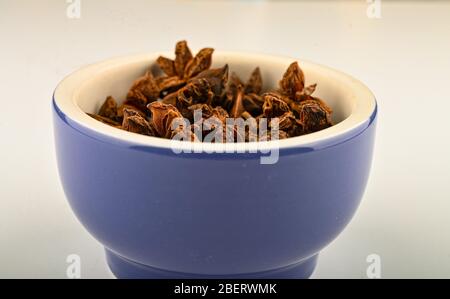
[403,57]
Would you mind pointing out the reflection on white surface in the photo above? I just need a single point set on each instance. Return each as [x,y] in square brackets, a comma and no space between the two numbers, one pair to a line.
[403,57]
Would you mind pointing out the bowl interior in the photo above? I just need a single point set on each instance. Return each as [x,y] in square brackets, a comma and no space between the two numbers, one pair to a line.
[116,81]
[86,89]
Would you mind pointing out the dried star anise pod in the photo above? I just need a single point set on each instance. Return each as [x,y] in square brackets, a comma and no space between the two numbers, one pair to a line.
[309,90]
[289,124]
[234,83]
[254,83]
[183,56]
[293,81]
[227,97]
[202,61]
[162,117]
[220,113]
[207,112]
[209,117]
[314,116]
[168,85]
[274,106]
[217,78]
[109,108]
[205,109]
[185,65]
[174,70]
[167,66]
[238,106]
[135,123]
[185,134]
[143,91]
[171,98]
[232,133]
[248,99]
[121,108]
[286,121]
[188,84]
[253,103]
[196,92]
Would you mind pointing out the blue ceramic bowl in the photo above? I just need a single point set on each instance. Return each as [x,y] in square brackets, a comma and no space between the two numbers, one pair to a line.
[212,215]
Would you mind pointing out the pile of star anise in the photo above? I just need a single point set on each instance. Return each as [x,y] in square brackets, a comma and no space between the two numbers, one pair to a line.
[188,84]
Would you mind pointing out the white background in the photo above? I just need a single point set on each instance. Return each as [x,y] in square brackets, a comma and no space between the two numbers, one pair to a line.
[404,57]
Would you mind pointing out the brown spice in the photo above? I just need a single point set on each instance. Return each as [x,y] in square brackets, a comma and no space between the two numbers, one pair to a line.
[293,80]
[109,109]
[182,57]
[167,66]
[144,90]
[135,123]
[162,117]
[314,116]
[202,61]
[188,84]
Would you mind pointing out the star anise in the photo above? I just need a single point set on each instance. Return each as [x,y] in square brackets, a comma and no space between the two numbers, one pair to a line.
[187,84]
[244,97]
[274,105]
[293,81]
[196,92]
[109,109]
[135,123]
[314,116]
[143,91]
[162,117]
[184,67]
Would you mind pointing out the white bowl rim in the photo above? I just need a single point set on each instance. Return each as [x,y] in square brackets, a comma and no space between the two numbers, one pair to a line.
[361,117]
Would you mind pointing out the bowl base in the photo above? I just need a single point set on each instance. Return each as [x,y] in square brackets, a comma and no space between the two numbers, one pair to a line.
[123,268]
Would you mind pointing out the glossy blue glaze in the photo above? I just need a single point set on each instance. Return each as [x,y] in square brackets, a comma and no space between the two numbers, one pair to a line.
[162,215]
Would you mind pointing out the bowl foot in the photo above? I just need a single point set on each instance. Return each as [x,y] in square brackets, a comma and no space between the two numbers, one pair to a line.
[125,269]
